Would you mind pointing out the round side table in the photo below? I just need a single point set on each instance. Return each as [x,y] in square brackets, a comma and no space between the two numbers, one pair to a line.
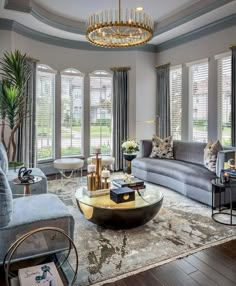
[223,213]
[27,189]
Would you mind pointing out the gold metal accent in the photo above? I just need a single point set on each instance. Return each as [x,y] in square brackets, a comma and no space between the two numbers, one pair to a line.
[162,65]
[126,197]
[91,182]
[12,249]
[32,59]
[87,210]
[105,183]
[232,47]
[119,29]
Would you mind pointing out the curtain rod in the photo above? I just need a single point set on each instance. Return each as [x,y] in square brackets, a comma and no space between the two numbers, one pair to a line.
[32,59]
[158,66]
[120,68]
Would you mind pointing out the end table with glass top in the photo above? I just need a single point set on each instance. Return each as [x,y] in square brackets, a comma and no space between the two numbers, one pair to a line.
[223,212]
[27,188]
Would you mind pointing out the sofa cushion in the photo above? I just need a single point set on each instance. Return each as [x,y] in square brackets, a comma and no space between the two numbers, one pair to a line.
[210,155]
[191,152]
[3,159]
[5,200]
[162,148]
[187,173]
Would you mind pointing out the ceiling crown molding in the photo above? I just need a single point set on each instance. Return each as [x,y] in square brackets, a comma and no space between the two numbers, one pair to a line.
[78,27]
[11,25]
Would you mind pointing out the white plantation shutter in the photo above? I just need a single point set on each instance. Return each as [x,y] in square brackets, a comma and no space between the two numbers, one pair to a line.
[224,100]
[101,111]
[72,93]
[176,101]
[198,93]
[45,112]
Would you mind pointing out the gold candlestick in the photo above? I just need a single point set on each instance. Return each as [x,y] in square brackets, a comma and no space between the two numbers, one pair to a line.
[91,182]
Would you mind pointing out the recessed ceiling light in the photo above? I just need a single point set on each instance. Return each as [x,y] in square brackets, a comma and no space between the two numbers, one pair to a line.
[139,9]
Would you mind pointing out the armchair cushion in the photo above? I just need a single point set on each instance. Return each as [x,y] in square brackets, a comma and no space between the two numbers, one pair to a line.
[3,159]
[5,200]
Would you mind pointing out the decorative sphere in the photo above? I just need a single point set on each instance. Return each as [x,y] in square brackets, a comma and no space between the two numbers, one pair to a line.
[231,163]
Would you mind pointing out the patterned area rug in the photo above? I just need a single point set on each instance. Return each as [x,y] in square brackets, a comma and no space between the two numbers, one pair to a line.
[182,227]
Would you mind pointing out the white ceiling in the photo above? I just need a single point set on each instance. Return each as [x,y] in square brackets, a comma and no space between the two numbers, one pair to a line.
[163,12]
[81,9]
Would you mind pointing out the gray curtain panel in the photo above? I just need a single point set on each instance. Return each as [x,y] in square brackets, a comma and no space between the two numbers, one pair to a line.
[26,145]
[120,114]
[233,105]
[163,101]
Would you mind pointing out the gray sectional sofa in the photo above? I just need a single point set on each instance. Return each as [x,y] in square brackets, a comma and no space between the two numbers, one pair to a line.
[185,174]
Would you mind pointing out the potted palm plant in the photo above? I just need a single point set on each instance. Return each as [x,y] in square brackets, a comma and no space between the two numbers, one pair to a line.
[15,73]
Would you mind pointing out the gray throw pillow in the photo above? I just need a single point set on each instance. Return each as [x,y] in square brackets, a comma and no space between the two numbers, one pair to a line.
[3,159]
[162,148]
[210,154]
[6,200]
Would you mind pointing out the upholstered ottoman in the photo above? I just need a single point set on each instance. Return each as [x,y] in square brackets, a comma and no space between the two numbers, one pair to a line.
[107,161]
[68,164]
[36,189]
[33,212]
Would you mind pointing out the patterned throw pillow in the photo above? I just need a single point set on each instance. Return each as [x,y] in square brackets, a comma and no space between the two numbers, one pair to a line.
[5,200]
[210,154]
[162,148]
[3,159]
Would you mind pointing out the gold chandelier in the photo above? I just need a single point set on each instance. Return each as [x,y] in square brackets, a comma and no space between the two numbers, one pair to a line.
[119,28]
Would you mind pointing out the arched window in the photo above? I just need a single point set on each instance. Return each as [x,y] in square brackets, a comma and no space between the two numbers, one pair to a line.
[45,112]
[101,111]
[72,94]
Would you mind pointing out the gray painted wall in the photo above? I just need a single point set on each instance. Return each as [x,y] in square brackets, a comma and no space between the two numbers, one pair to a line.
[205,47]
[142,83]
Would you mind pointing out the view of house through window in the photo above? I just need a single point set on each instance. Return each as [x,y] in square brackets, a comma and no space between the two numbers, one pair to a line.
[45,112]
[101,111]
[176,101]
[72,91]
[198,96]
[224,99]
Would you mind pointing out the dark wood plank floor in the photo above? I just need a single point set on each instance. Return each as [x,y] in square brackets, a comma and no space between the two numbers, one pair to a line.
[215,266]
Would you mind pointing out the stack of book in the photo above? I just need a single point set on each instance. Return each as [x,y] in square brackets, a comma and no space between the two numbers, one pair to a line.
[44,274]
[135,184]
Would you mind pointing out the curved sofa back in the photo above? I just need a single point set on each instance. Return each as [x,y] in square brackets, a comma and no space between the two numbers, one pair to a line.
[191,152]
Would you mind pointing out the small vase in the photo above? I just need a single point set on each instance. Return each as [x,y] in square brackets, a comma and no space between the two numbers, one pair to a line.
[129,157]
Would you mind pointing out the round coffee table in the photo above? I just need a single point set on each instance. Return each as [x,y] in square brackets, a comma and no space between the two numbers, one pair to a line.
[103,211]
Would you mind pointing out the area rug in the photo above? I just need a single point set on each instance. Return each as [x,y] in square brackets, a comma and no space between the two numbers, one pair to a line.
[182,227]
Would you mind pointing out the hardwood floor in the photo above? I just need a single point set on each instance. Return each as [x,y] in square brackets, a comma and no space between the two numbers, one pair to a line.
[215,266]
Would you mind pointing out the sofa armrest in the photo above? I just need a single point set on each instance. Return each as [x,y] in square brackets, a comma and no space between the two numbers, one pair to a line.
[145,148]
[222,157]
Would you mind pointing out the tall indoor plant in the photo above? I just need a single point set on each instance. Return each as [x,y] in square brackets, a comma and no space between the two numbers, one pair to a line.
[15,73]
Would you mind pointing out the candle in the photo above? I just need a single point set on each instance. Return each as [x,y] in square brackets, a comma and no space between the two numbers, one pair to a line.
[97,150]
[91,168]
[105,173]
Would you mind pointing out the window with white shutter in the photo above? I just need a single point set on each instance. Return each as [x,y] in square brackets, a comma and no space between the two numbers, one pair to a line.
[72,94]
[45,112]
[198,98]
[101,111]
[224,99]
[176,101]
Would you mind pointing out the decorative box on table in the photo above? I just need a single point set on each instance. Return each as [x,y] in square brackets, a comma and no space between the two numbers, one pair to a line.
[122,195]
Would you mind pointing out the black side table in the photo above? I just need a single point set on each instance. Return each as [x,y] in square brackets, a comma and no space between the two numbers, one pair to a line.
[221,209]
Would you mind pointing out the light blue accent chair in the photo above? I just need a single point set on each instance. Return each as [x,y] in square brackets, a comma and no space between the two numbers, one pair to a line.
[20,215]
